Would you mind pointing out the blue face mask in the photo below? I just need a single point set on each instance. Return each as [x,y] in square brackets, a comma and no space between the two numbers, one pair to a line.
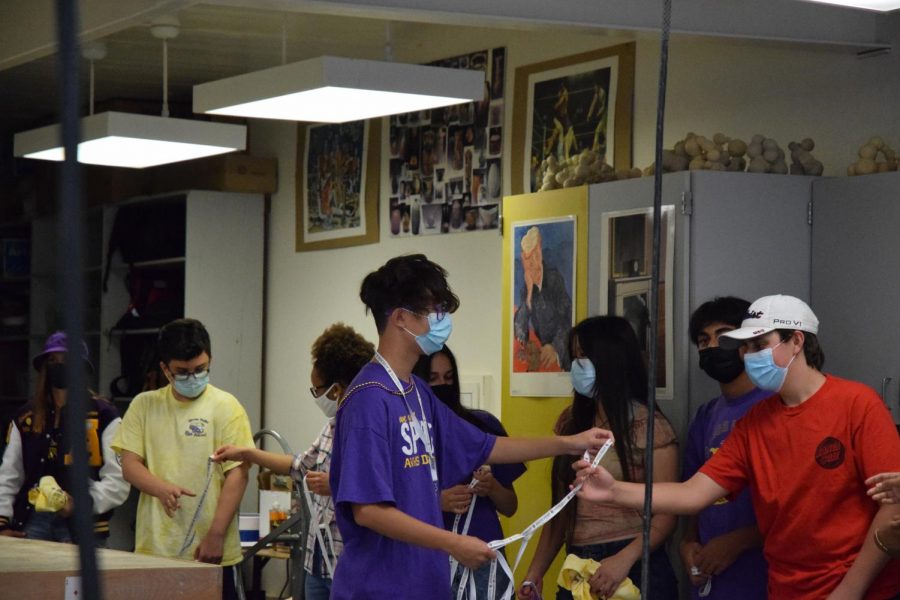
[438,333]
[762,370]
[193,386]
[583,376]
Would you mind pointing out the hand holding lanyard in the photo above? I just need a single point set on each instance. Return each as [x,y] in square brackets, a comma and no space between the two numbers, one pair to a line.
[316,527]
[525,537]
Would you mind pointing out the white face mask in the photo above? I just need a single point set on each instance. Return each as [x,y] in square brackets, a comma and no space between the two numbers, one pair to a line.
[326,404]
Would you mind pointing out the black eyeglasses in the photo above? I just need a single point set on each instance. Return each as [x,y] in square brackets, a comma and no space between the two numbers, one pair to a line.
[185,376]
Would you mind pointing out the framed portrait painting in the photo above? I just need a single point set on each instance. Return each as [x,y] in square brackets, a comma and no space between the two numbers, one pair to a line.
[543,310]
[625,282]
[337,185]
[565,106]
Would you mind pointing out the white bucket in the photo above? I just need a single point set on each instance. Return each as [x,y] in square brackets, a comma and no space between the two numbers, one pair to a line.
[248,524]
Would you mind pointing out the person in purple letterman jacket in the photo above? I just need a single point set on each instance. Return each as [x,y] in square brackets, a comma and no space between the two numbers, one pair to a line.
[36,447]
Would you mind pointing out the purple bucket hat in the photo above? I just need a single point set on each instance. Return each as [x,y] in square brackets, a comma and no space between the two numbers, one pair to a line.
[57,342]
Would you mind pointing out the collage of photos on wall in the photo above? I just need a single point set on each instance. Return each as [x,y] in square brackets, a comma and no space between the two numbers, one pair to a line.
[445,164]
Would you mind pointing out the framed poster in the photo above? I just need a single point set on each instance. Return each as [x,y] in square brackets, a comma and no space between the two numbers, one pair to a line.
[625,264]
[445,165]
[542,311]
[336,187]
[571,104]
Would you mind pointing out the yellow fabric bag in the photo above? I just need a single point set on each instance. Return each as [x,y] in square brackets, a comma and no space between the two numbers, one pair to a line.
[575,576]
[47,496]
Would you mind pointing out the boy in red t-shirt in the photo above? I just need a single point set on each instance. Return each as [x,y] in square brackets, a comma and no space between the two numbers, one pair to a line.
[805,454]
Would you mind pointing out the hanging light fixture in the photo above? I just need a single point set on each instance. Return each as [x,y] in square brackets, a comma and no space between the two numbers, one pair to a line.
[879,5]
[120,139]
[329,89]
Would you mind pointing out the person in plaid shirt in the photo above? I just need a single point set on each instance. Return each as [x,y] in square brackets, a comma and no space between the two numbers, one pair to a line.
[338,355]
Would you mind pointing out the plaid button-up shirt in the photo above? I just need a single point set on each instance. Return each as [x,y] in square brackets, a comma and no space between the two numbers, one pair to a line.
[318,458]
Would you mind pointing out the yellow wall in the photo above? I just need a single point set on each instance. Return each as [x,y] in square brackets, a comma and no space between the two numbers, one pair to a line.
[524,416]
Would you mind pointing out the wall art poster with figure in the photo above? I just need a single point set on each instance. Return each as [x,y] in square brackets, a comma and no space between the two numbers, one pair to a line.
[543,289]
[336,188]
[569,107]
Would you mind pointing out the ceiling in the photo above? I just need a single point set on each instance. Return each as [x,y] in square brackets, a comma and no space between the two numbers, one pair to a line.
[221,38]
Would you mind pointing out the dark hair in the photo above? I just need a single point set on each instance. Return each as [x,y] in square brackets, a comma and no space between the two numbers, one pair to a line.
[339,353]
[613,348]
[42,402]
[815,356]
[423,371]
[412,282]
[723,309]
[183,339]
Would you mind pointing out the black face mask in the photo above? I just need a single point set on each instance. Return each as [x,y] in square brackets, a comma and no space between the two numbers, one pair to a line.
[445,394]
[722,365]
[56,375]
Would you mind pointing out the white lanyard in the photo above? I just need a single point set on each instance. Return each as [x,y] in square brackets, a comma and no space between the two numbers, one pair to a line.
[422,427]
[454,564]
[525,537]
[191,532]
[707,587]
[316,527]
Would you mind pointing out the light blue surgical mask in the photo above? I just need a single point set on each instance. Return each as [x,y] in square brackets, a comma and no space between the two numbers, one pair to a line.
[762,370]
[584,377]
[194,385]
[439,329]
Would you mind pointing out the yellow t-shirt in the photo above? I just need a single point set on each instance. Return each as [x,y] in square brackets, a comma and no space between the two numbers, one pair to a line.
[175,440]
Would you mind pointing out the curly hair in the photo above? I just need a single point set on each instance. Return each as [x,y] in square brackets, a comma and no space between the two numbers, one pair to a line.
[340,352]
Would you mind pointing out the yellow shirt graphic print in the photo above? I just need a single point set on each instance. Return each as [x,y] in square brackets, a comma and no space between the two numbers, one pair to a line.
[175,439]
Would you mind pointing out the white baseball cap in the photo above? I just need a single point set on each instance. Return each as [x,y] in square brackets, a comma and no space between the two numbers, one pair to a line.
[768,314]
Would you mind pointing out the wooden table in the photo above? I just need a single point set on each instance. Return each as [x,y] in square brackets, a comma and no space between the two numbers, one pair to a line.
[39,570]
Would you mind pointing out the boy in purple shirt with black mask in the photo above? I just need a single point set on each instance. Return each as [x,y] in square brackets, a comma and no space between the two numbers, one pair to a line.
[721,547]
[395,443]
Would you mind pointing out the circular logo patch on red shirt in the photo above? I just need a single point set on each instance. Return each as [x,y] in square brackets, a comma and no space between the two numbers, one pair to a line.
[830,453]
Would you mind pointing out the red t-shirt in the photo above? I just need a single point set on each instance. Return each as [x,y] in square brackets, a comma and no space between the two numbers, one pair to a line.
[806,467]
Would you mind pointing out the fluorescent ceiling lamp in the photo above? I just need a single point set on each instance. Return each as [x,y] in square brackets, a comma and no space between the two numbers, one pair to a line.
[881,5]
[117,139]
[329,89]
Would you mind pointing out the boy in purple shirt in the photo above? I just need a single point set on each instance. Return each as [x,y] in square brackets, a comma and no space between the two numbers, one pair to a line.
[395,443]
[722,544]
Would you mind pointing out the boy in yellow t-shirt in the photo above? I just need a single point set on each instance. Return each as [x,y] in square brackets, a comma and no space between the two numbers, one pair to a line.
[188,503]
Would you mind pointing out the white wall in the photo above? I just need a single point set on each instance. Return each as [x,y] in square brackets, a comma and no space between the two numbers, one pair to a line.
[737,87]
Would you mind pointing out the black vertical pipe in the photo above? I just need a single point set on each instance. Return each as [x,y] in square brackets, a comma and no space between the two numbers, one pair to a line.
[71,264]
[654,295]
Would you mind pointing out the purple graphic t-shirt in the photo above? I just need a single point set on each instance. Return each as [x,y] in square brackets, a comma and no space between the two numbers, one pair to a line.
[746,578]
[485,524]
[379,456]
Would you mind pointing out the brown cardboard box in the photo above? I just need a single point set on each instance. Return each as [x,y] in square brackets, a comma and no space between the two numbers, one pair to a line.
[224,173]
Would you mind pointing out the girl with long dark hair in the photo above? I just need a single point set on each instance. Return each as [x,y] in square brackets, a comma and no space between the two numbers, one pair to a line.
[37,447]
[493,493]
[610,381]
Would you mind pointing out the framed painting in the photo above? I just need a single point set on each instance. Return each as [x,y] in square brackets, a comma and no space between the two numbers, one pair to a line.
[337,185]
[542,306]
[625,282]
[567,105]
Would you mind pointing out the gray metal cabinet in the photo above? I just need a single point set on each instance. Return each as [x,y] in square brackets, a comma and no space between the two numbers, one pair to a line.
[855,292]
[734,234]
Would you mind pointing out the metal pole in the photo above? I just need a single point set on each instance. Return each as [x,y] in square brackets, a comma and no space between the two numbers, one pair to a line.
[654,296]
[71,235]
